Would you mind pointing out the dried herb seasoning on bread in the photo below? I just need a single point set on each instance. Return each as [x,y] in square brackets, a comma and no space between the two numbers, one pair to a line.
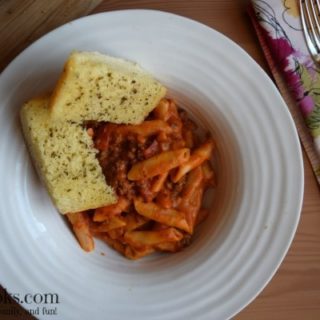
[97,87]
[64,156]
[92,86]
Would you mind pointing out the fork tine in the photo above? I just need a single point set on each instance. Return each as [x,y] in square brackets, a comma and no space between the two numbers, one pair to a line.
[314,23]
[318,6]
[317,3]
[305,28]
[308,29]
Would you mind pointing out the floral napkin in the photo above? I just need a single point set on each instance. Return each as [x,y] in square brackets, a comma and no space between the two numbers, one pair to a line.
[278,26]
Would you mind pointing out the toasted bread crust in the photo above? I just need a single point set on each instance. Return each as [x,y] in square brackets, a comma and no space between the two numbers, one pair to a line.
[92,86]
[97,87]
[64,157]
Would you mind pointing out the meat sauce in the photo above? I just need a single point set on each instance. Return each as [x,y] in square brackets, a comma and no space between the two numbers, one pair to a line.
[160,171]
[119,152]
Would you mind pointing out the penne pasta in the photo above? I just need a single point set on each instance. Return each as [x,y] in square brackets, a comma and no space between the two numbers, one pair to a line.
[90,132]
[169,246]
[162,110]
[104,213]
[80,226]
[116,233]
[159,171]
[145,129]
[134,221]
[191,206]
[141,239]
[174,246]
[170,217]
[158,164]
[188,138]
[113,223]
[114,243]
[208,174]
[137,253]
[194,180]
[159,182]
[164,200]
[174,117]
[198,156]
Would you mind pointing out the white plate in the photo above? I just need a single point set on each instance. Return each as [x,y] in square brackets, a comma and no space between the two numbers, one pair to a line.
[256,207]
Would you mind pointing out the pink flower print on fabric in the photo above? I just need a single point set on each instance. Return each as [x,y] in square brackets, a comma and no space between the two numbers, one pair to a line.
[307,105]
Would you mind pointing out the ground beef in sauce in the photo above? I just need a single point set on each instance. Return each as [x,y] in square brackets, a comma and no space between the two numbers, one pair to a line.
[120,147]
[119,153]
[117,156]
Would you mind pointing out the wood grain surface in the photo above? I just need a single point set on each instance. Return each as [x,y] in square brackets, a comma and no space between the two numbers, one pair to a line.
[294,292]
[24,21]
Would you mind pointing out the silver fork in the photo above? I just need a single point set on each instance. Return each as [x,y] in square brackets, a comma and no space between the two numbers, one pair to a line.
[310,19]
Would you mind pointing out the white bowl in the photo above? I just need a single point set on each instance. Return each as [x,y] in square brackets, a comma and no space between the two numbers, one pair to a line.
[254,211]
